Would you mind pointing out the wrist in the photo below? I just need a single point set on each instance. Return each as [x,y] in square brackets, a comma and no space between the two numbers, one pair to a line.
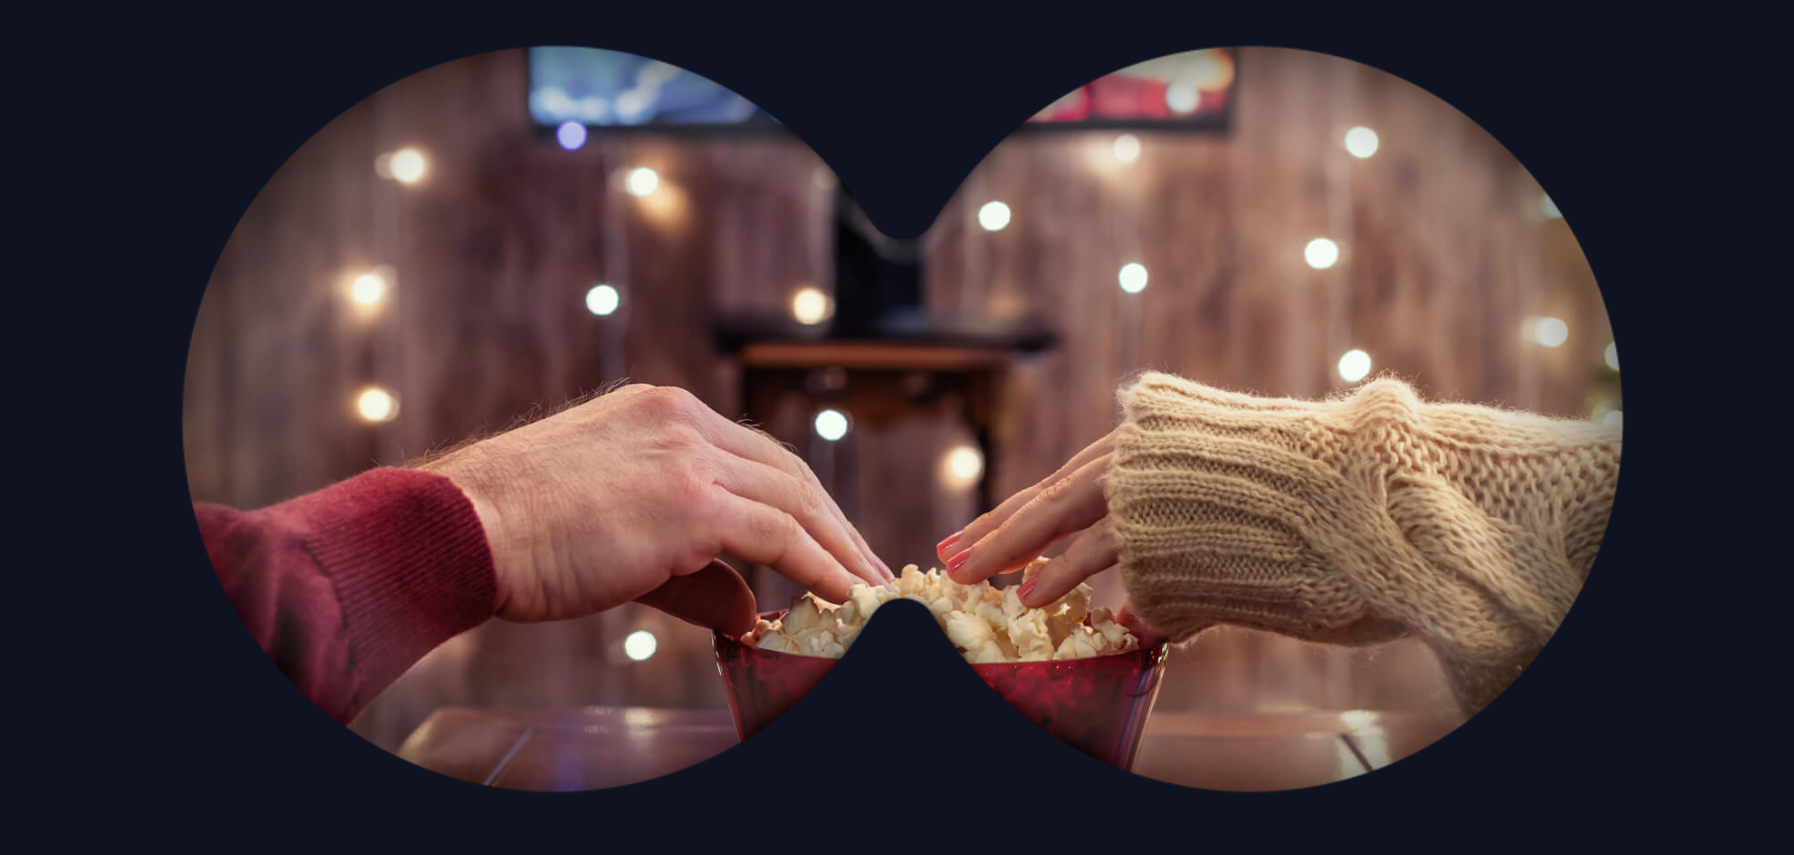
[482,485]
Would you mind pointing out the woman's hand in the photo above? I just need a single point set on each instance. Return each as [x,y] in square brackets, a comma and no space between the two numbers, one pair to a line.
[633,495]
[1070,502]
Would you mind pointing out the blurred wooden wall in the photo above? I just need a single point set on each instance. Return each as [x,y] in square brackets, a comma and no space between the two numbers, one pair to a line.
[1444,254]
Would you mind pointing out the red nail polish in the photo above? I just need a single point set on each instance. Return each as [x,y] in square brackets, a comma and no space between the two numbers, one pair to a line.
[1026,588]
[951,539]
[959,560]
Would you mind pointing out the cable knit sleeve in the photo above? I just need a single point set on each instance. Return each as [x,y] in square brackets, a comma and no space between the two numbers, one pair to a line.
[1359,519]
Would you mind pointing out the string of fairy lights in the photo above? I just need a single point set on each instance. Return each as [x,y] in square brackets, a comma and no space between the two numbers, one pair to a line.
[408,167]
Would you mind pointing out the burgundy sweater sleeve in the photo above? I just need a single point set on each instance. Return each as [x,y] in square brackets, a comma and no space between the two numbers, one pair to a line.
[347,587]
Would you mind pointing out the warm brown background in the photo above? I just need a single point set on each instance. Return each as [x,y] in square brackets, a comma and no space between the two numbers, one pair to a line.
[1445,253]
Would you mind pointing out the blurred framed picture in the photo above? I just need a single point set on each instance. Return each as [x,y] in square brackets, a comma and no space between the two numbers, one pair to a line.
[611,90]
[1194,90]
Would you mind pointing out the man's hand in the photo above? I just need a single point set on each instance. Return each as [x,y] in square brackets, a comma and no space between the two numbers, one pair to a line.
[631,495]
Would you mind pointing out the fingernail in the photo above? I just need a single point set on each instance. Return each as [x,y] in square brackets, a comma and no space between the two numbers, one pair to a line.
[1026,588]
[941,548]
[959,560]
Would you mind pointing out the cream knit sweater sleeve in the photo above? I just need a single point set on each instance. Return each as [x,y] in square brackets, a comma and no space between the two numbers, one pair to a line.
[1359,519]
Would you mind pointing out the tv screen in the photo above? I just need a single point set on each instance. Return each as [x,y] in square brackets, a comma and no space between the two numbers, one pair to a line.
[604,88]
[1192,90]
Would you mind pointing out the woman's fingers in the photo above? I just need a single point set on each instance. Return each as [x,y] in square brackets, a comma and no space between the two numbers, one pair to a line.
[766,535]
[804,501]
[748,443]
[987,523]
[1093,552]
[1130,621]
[715,597]
[1063,507]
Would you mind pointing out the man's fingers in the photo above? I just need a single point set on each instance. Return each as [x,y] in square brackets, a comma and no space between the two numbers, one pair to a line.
[1093,552]
[990,522]
[1062,508]
[715,597]
[766,535]
[805,502]
[758,446]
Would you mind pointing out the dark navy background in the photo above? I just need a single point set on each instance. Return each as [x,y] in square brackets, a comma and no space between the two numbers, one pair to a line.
[146,710]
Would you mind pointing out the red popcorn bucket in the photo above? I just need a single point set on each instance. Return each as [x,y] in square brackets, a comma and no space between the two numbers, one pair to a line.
[1097,705]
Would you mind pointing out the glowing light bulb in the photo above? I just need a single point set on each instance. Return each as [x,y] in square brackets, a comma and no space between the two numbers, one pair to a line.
[1550,332]
[571,135]
[602,300]
[811,306]
[1133,278]
[1182,98]
[642,181]
[962,466]
[1612,356]
[1354,366]
[640,645]
[407,165]
[1127,148]
[993,216]
[831,425]
[1321,253]
[368,288]
[1361,142]
[376,405]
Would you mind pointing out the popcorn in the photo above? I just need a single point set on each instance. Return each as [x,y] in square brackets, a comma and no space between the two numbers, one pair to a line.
[989,653]
[808,615]
[912,582]
[821,643]
[1028,632]
[778,641]
[986,624]
[865,600]
[1081,643]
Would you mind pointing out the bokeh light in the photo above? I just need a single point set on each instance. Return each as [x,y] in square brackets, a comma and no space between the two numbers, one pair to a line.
[1361,142]
[1321,253]
[993,216]
[376,405]
[811,306]
[640,645]
[1182,98]
[603,300]
[962,466]
[407,165]
[831,425]
[642,181]
[1133,278]
[1127,148]
[1354,366]
[1210,69]
[571,135]
[1611,356]
[368,288]
[1550,332]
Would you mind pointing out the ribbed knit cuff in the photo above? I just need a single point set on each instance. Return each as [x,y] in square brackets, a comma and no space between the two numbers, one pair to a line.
[1217,500]
[410,564]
